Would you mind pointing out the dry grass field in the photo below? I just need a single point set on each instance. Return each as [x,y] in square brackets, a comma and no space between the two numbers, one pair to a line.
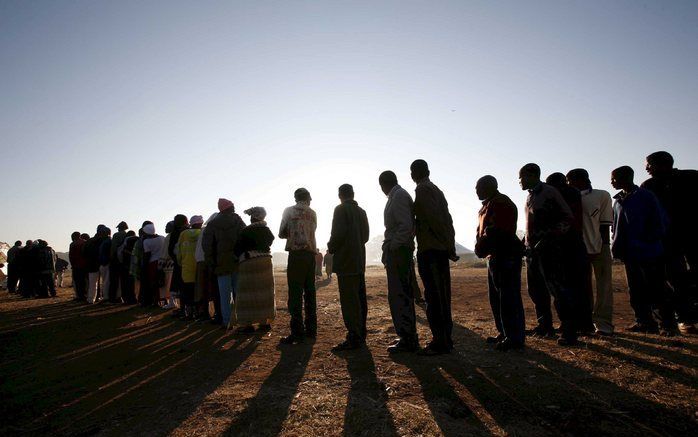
[72,369]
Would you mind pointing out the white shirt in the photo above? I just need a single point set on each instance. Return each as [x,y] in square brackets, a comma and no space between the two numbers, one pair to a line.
[154,246]
[597,210]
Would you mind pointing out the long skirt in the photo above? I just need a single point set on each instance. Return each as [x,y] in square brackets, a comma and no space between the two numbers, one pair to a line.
[255,301]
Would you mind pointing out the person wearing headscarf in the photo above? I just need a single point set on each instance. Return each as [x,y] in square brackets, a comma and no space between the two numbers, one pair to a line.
[255,303]
[186,259]
[219,243]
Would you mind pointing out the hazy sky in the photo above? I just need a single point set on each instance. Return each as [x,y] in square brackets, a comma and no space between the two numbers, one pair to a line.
[141,110]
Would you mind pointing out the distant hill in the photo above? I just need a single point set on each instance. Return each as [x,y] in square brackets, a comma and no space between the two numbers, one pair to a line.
[374,250]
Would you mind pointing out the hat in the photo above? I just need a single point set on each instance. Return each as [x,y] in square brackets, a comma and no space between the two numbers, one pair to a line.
[224,204]
[122,225]
[196,220]
[149,229]
[257,212]
[302,194]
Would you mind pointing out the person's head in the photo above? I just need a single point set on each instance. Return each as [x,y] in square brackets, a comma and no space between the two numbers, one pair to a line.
[181,221]
[557,180]
[345,192]
[579,179]
[43,243]
[75,236]
[302,195]
[122,226]
[529,176]
[84,237]
[486,187]
[29,243]
[419,169]
[101,231]
[130,234]
[169,227]
[196,221]
[19,243]
[149,229]
[225,205]
[622,178]
[387,180]
[257,214]
[659,164]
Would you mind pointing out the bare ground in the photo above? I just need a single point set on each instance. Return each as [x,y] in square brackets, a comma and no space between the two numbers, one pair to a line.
[69,368]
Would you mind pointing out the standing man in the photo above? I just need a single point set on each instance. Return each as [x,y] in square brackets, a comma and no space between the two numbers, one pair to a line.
[548,221]
[497,241]
[597,218]
[436,244]
[78,266]
[298,224]
[46,258]
[398,246]
[327,261]
[639,226]
[96,276]
[116,279]
[674,188]
[218,243]
[348,245]
[318,264]
[12,267]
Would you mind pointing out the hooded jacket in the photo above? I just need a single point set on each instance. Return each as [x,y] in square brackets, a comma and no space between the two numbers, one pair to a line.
[219,240]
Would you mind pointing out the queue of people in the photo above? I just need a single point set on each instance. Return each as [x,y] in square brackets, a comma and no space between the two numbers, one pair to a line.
[573,233]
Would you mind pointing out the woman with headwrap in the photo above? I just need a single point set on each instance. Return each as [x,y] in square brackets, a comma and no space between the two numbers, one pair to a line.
[255,302]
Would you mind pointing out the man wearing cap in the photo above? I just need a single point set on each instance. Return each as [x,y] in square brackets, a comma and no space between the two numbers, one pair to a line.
[115,278]
[218,243]
[348,245]
[186,248]
[298,224]
[436,245]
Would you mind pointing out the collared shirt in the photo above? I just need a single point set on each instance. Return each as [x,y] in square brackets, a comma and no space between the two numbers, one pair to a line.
[597,211]
[547,214]
[298,225]
[434,225]
[639,224]
[496,231]
[398,218]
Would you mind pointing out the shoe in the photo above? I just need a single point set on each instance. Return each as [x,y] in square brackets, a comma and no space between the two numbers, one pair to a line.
[567,341]
[587,330]
[543,332]
[431,350]
[672,331]
[291,339]
[644,328]
[495,340]
[508,345]
[600,333]
[346,345]
[688,328]
[402,346]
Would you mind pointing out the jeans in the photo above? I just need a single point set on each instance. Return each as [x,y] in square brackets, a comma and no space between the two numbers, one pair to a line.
[301,292]
[399,269]
[227,288]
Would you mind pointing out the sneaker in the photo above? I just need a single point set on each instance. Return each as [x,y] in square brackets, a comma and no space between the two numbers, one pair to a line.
[346,345]
[644,328]
[291,339]
[402,346]
[507,345]
[494,340]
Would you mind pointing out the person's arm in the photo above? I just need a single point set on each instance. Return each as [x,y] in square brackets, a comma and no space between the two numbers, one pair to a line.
[283,229]
[364,227]
[402,210]
[606,218]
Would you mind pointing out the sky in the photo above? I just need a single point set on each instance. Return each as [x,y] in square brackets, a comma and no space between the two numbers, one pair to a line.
[140,110]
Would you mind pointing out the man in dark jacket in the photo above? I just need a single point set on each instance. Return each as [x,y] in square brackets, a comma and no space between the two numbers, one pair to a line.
[348,246]
[675,188]
[639,228]
[29,283]
[218,242]
[91,251]
[115,278]
[436,244]
[46,259]
[78,265]
[497,241]
[12,267]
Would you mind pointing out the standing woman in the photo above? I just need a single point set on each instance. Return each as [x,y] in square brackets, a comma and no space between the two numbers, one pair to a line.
[255,302]
[152,246]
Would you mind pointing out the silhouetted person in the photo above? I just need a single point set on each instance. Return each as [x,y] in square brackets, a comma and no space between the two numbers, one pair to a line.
[298,224]
[96,276]
[327,262]
[676,190]
[115,276]
[78,265]
[46,266]
[12,267]
[104,271]
[180,224]
[436,244]
[61,267]
[597,218]
[639,226]
[575,254]
[398,246]
[218,242]
[548,221]
[497,241]
[28,280]
[186,259]
[348,245]
[318,264]
[124,253]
